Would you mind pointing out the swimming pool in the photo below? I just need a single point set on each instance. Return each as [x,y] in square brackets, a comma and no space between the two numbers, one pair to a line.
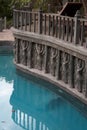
[26,104]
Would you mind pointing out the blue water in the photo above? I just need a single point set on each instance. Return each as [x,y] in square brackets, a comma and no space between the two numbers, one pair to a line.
[28,105]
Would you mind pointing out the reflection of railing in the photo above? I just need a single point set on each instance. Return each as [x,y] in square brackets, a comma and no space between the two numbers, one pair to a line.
[29,111]
[68,29]
[27,122]
[36,108]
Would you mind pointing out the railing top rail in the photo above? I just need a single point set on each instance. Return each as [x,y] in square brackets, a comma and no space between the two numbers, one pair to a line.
[47,14]
[24,11]
[83,19]
[53,14]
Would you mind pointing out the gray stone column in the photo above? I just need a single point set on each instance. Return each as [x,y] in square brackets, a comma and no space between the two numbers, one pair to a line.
[29,49]
[17,50]
[77,27]
[45,60]
[85,85]
[71,74]
[58,65]
[40,18]
[65,67]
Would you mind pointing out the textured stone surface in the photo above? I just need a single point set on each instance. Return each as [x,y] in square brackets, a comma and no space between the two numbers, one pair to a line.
[62,63]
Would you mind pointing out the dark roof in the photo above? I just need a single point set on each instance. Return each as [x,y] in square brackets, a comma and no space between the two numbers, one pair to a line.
[70,8]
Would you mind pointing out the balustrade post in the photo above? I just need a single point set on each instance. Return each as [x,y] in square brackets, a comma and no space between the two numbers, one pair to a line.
[58,77]
[40,18]
[45,60]
[16,50]
[77,27]
[85,85]
[71,75]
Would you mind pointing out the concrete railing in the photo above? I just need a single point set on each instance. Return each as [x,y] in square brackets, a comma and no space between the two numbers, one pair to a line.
[53,47]
[68,29]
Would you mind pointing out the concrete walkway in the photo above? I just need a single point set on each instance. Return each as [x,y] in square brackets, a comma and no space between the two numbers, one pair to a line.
[6,35]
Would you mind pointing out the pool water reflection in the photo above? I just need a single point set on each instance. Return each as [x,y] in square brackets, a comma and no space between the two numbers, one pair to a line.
[27,105]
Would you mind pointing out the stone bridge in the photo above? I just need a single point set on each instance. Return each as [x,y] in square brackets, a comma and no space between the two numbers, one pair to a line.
[52,47]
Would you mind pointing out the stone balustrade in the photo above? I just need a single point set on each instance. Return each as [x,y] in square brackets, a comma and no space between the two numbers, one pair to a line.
[53,47]
[69,29]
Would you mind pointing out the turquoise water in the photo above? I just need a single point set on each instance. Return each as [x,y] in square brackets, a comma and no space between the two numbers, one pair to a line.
[27,105]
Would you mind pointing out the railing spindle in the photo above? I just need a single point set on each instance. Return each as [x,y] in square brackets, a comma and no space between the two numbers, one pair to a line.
[53,25]
[59,36]
[30,21]
[71,30]
[45,18]
[82,33]
[67,29]
[49,24]
[35,22]
[56,28]
[25,21]
[63,28]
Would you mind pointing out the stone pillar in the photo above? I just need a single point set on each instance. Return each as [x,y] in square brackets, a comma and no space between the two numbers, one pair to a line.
[85,85]
[58,77]
[40,18]
[65,68]
[79,74]
[45,60]
[29,49]
[17,50]
[71,75]
[77,27]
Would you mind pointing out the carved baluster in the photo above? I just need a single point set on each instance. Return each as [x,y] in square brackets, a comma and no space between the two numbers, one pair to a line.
[65,67]
[29,49]
[71,30]
[79,77]
[53,25]
[53,61]
[56,24]
[18,50]
[33,55]
[60,29]
[42,56]
[49,25]
[24,46]
[40,52]
[85,84]
[71,75]
[58,69]
[45,23]
[67,29]
[38,56]
[45,59]
[15,50]
[63,28]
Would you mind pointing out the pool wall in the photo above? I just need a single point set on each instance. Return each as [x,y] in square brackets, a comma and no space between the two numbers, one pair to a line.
[53,60]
